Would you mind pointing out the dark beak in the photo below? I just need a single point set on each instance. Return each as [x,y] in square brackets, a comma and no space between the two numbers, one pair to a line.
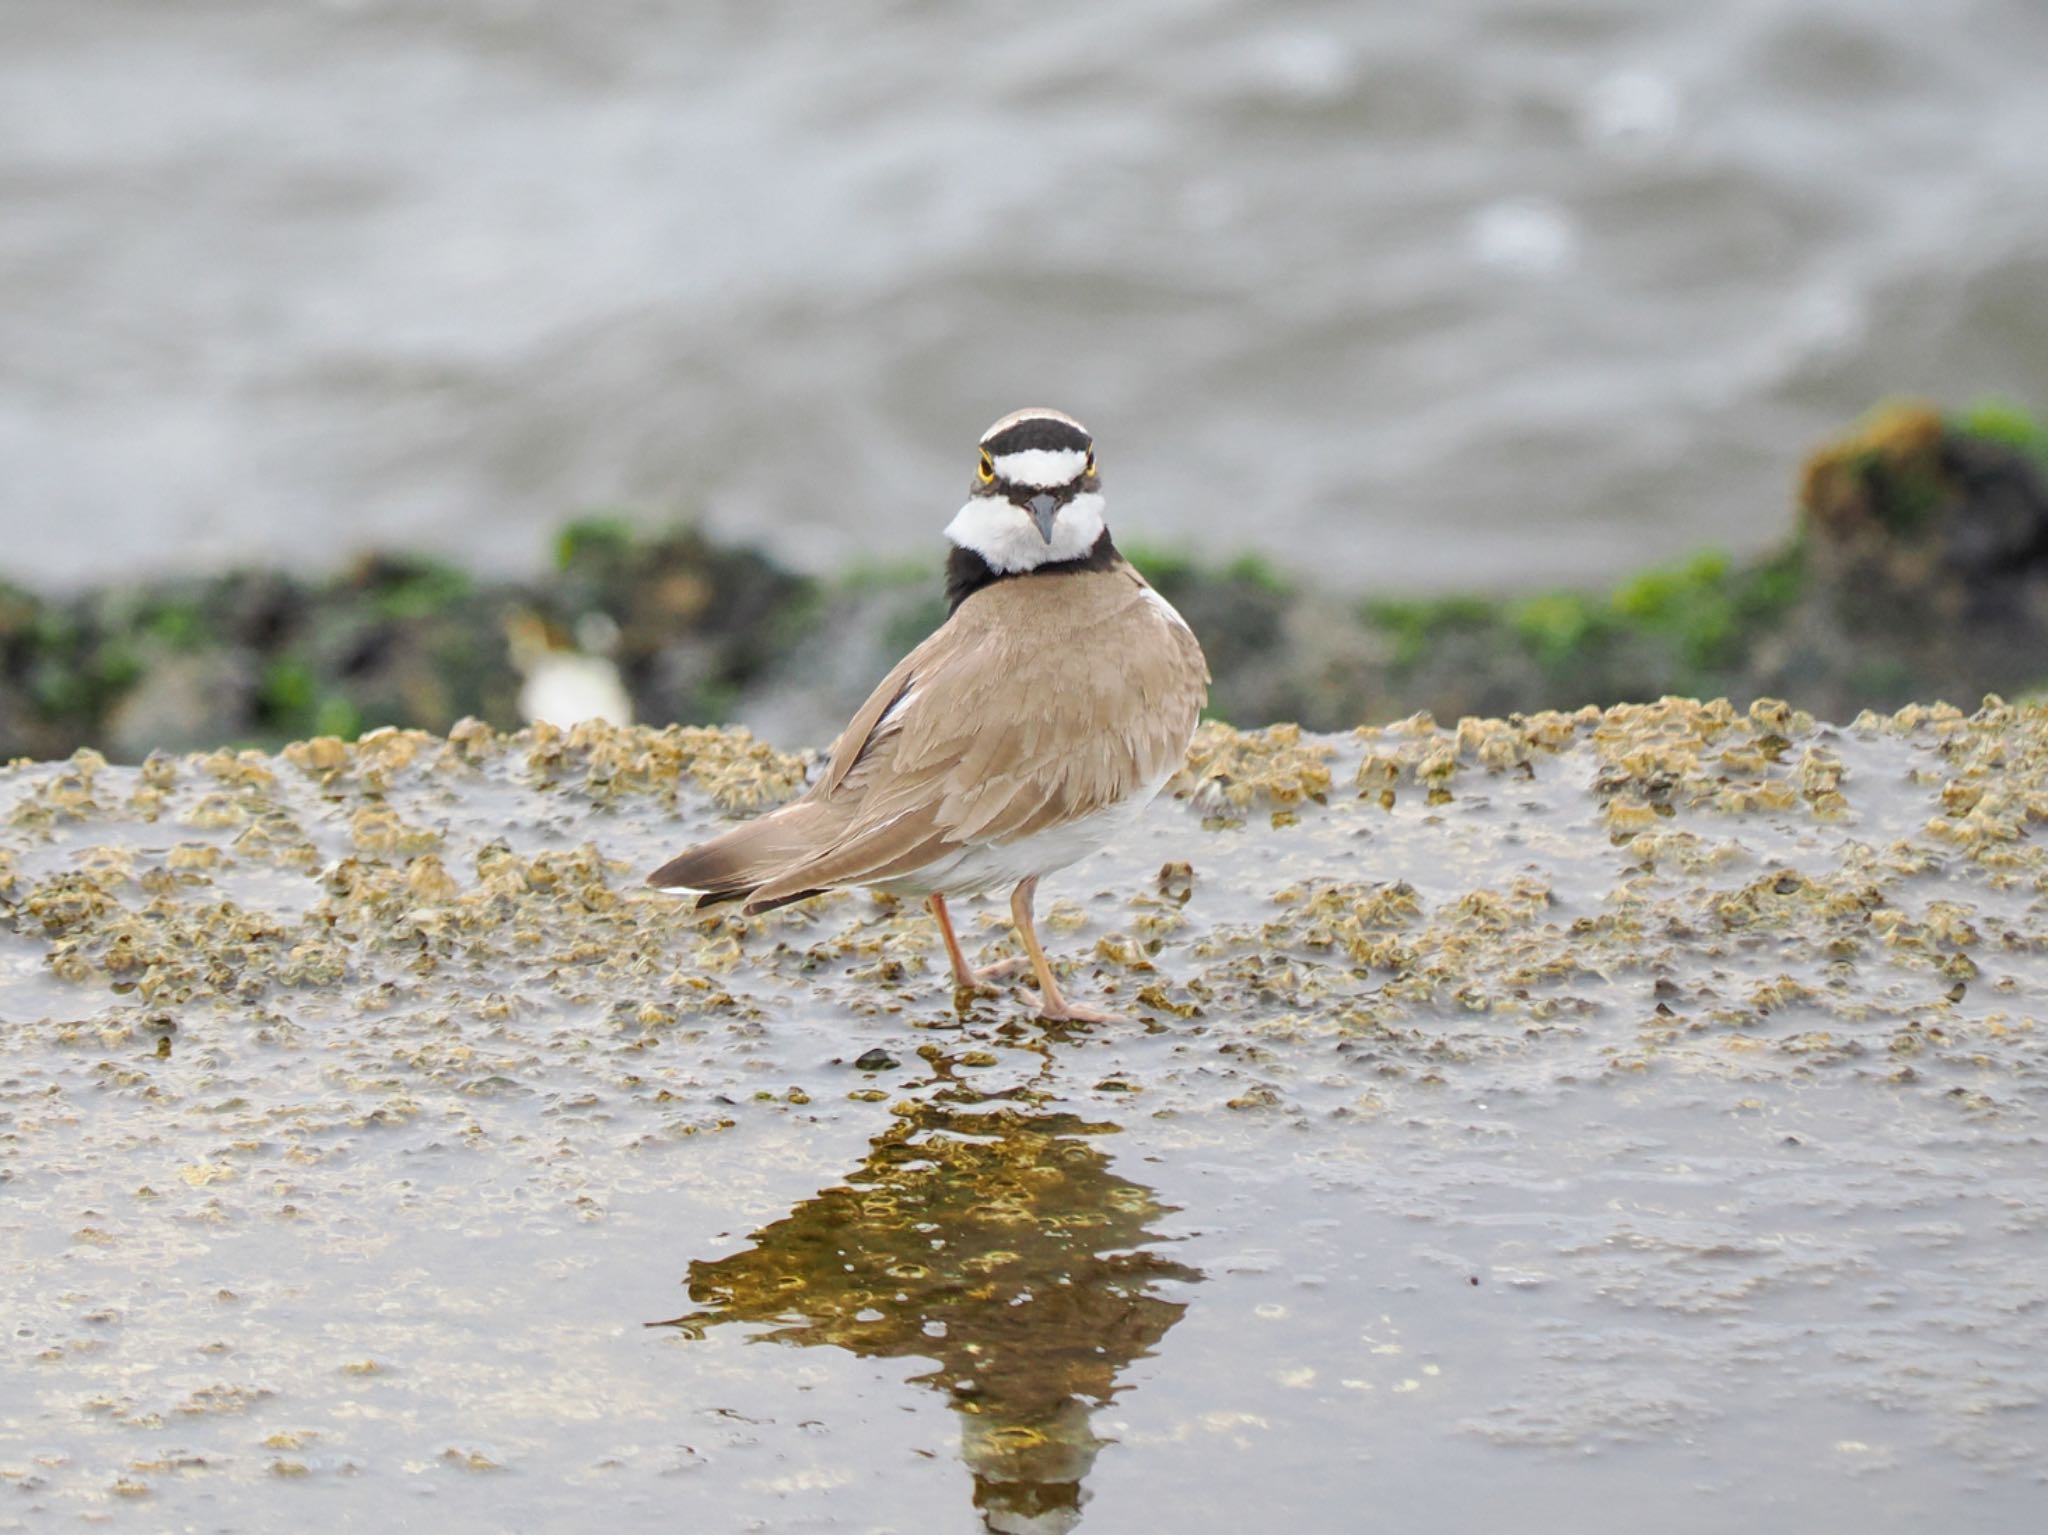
[1043,510]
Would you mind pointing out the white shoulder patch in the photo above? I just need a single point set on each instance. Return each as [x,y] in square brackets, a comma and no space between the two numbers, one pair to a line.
[896,710]
[1166,607]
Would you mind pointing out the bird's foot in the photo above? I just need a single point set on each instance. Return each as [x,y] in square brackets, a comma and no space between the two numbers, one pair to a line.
[981,982]
[1058,1009]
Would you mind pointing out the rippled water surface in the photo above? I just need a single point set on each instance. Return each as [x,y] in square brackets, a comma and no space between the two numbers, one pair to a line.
[1474,293]
[1538,1125]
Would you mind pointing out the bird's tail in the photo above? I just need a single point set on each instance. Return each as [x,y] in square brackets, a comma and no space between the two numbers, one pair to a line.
[736,863]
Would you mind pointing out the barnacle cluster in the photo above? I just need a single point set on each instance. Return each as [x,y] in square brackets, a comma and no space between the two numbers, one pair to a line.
[405,870]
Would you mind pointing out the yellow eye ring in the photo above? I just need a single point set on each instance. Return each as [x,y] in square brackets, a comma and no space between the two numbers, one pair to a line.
[987,471]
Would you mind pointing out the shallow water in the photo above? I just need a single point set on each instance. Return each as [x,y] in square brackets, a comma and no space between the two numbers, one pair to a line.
[1645,1110]
[1480,293]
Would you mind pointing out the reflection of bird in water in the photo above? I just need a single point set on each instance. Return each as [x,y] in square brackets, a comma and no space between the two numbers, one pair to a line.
[998,1242]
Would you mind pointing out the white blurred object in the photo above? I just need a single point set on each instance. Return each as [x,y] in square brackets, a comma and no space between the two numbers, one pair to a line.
[564,685]
[1528,235]
[1632,113]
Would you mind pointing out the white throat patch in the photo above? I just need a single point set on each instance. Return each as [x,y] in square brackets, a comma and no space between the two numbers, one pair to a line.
[1003,533]
[1041,468]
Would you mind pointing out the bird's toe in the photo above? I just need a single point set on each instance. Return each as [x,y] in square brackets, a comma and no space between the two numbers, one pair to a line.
[1060,1010]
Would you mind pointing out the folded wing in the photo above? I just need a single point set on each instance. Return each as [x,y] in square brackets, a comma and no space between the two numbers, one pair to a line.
[1029,708]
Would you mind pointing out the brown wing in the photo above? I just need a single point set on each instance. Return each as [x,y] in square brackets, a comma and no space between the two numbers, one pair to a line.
[867,722]
[732,865]
[1042,700]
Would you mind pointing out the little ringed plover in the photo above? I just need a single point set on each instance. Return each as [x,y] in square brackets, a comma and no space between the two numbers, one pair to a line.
[1032,726]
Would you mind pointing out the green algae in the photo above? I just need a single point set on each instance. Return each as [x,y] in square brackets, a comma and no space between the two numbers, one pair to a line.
[1416,625]
[1687,627]
[608,539]
[416,588]
[2006,422]
[1698,616]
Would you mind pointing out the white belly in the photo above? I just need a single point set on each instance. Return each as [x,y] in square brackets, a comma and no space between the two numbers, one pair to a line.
[993,866]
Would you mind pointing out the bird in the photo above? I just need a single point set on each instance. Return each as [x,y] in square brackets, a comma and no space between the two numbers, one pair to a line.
[566,680]
[1056,699]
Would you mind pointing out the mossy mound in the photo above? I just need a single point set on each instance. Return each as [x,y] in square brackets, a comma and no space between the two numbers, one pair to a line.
[259,658]
[1917,567]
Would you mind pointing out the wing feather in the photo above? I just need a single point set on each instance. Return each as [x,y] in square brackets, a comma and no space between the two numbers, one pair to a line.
[1040,701]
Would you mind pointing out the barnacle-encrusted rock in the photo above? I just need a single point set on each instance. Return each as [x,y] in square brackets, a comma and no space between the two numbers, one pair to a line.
[384,1045]
[1229,770]
[412,879]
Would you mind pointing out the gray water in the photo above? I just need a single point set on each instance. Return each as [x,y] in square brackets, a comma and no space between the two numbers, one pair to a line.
[1474,293]
[1511,1156]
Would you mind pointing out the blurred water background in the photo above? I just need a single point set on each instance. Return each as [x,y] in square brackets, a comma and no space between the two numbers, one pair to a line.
[1485,293]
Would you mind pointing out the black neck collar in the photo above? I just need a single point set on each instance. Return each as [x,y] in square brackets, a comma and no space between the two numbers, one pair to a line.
[967,572]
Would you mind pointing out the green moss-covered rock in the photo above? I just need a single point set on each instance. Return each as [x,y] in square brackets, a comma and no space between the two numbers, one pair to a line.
[1917,566]
[260,657]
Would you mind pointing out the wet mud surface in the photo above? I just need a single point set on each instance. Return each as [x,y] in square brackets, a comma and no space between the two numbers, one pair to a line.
[1539,1120]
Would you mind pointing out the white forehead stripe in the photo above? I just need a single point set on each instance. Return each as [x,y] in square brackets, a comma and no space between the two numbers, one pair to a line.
[1045,467]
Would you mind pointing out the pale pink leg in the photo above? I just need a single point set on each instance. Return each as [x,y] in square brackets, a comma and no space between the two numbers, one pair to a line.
[965,976]
[1050,1003]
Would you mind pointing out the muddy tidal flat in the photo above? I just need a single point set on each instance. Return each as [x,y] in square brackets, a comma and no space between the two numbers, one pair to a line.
[1607,1121]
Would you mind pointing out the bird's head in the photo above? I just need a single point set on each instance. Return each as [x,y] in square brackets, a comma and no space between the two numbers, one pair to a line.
[1036,497]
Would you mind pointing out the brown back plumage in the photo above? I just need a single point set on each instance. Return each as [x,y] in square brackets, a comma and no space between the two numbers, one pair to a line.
[1044,698]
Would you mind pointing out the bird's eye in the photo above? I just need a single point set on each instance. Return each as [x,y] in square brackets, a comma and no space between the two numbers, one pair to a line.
[1089,467]
[987,470]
